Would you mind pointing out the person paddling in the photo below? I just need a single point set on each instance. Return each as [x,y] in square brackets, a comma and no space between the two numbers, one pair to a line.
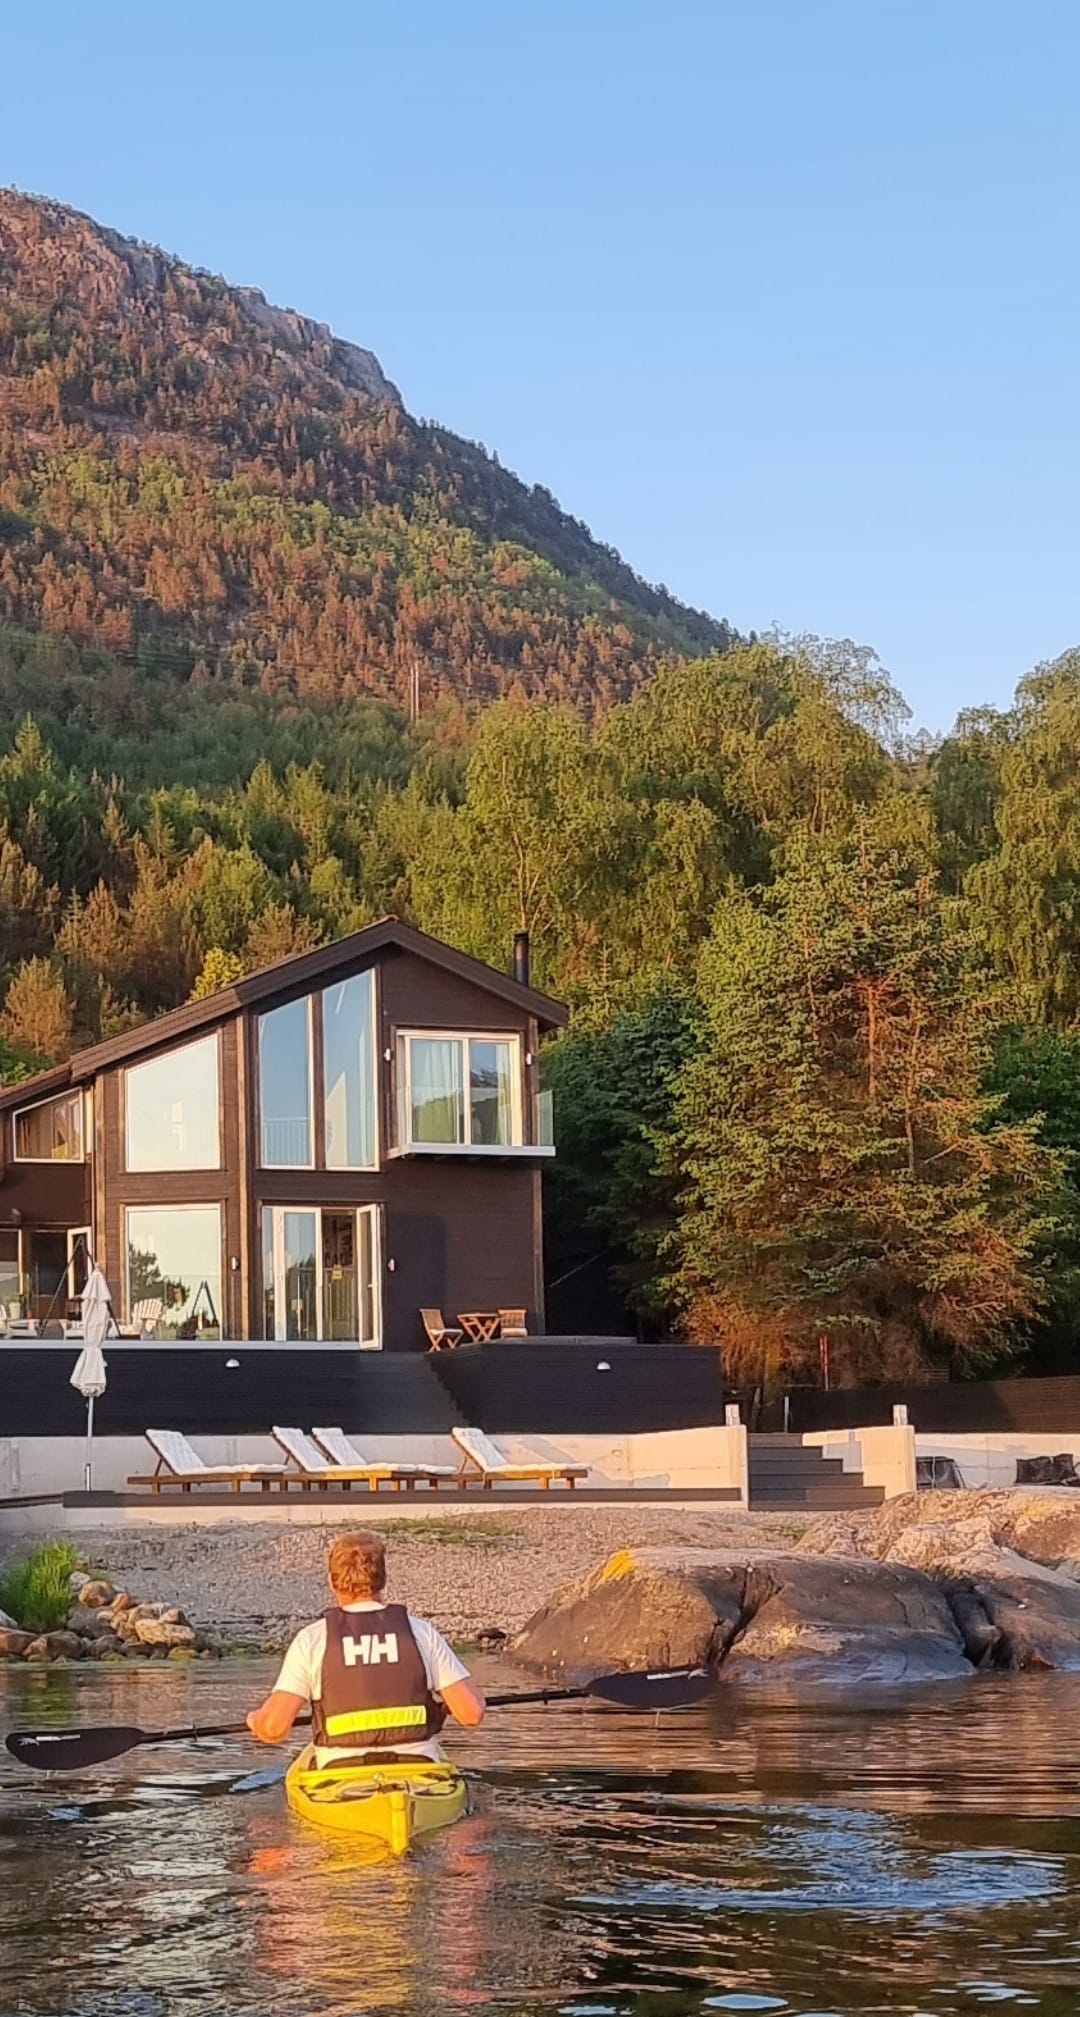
[379,1680]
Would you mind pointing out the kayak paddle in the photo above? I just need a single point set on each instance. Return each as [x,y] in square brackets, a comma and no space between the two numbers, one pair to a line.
[75,1750]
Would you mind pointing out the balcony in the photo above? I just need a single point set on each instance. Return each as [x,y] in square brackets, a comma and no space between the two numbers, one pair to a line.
[450,1124]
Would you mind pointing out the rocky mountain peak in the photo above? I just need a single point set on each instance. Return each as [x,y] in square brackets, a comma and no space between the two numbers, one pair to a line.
[58,258]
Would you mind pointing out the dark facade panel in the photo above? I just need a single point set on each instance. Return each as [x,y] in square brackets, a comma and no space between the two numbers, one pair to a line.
[460,1238]
[46,1194]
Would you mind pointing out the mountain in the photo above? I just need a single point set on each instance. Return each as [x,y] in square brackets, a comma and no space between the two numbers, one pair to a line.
[223,492]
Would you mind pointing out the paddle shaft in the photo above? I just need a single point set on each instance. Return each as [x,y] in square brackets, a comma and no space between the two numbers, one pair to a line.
[492,1702]
[73,1750]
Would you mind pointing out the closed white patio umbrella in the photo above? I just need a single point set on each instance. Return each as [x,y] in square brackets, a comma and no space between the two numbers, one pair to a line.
[89,1374]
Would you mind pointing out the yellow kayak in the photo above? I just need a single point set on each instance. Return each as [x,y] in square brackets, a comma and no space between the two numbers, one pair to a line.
[389,1804]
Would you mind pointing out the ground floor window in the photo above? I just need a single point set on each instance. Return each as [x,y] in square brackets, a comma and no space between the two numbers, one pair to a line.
[174,1258]
[320,1274]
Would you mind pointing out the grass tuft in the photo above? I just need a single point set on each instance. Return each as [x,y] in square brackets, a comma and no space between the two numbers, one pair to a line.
[36,1591]
[465,1531]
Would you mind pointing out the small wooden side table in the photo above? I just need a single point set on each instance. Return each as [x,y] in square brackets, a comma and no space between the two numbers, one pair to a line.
[479,1325]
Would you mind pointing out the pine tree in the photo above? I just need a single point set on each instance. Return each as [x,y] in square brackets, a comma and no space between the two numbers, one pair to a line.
[38,1015]
[845,1172]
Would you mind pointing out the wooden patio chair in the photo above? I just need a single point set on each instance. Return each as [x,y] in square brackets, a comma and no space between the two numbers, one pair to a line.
[318,1471]
[179,1466]
[343,1451]
[512,1324]
[147,1315]
[493,1468]
[440,1336]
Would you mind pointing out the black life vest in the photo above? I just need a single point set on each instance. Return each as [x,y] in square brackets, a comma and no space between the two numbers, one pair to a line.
[374,1683]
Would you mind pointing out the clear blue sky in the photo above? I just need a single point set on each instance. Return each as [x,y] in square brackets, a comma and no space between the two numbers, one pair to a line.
[780,296]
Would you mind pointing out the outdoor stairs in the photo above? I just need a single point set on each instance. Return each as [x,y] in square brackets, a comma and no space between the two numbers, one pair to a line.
[787,1475]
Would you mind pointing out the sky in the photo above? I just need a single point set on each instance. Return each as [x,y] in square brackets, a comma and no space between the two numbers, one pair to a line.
[780,297]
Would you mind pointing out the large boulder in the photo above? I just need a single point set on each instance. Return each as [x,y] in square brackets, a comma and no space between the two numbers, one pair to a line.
[1008,1563]
[764,1615]
[836,1619]
[648,1607]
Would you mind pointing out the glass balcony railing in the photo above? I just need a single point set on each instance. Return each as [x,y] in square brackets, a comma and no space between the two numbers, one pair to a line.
[544,1121]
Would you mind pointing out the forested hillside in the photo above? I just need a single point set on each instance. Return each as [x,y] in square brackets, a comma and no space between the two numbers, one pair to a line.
[223,490]
[823,1075]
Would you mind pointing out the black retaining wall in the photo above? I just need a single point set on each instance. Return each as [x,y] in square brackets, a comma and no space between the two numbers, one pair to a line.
[965,1407]
[551,1387]
[557,1387]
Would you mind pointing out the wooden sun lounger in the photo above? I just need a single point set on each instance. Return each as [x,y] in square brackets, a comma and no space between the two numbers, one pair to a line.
[317,1472]
[343,1452]
[491,1467]
[180,1468]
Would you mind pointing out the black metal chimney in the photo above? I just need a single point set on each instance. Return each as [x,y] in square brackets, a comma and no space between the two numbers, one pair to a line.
[521,957]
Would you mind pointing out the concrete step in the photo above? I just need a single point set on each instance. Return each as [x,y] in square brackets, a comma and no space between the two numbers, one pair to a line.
[819,1501]
[786,1475]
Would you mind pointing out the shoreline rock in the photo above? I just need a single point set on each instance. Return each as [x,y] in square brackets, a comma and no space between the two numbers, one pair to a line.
[106,1623]
[918,1591]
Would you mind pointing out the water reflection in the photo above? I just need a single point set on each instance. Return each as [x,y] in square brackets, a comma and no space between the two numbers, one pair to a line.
[917,1853]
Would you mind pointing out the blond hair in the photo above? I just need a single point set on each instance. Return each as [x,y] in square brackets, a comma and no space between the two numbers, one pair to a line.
[357,1566]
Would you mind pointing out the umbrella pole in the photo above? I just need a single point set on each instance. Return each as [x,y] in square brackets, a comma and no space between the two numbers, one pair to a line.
[89,1472]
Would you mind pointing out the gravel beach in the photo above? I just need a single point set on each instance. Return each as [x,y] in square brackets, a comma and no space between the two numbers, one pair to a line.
[254,1585]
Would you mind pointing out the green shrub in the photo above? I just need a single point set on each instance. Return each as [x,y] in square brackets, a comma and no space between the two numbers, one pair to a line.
[36,1591]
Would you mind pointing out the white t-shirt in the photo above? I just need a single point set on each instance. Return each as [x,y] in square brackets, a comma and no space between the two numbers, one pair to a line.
[301,1673]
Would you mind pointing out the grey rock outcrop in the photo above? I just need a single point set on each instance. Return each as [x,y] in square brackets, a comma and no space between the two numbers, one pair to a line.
[819,1620]
[922,1590]
[64,253]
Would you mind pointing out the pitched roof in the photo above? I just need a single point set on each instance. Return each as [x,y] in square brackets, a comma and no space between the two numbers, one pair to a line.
[298,971]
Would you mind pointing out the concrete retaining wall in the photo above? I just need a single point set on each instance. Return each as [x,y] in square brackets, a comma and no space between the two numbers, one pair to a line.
[665,1460]
[883,1456]
[991,1459]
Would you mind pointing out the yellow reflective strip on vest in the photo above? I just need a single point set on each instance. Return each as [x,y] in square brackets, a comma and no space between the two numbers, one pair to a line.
[375,1719]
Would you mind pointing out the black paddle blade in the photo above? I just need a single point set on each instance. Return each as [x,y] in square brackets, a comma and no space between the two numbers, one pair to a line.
[71,1750]
[667,1688]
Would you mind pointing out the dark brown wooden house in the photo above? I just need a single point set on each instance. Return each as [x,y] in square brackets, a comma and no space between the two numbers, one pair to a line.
[308,1157]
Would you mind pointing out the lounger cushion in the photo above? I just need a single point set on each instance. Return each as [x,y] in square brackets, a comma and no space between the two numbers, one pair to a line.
[172,1446]
[341,1450]
[480,1448]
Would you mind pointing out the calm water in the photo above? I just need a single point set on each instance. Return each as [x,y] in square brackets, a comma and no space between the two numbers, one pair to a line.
[915,1854]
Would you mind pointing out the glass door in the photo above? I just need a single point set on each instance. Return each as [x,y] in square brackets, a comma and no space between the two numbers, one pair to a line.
[79,1250]
[320,1276]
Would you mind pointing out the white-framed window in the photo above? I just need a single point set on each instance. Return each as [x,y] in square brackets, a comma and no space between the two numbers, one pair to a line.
[350,1074]
[460,1089]
[52,1131]
[321,1274]
[286,1119]
[174,1258]
[171,1110]
[330,1034]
